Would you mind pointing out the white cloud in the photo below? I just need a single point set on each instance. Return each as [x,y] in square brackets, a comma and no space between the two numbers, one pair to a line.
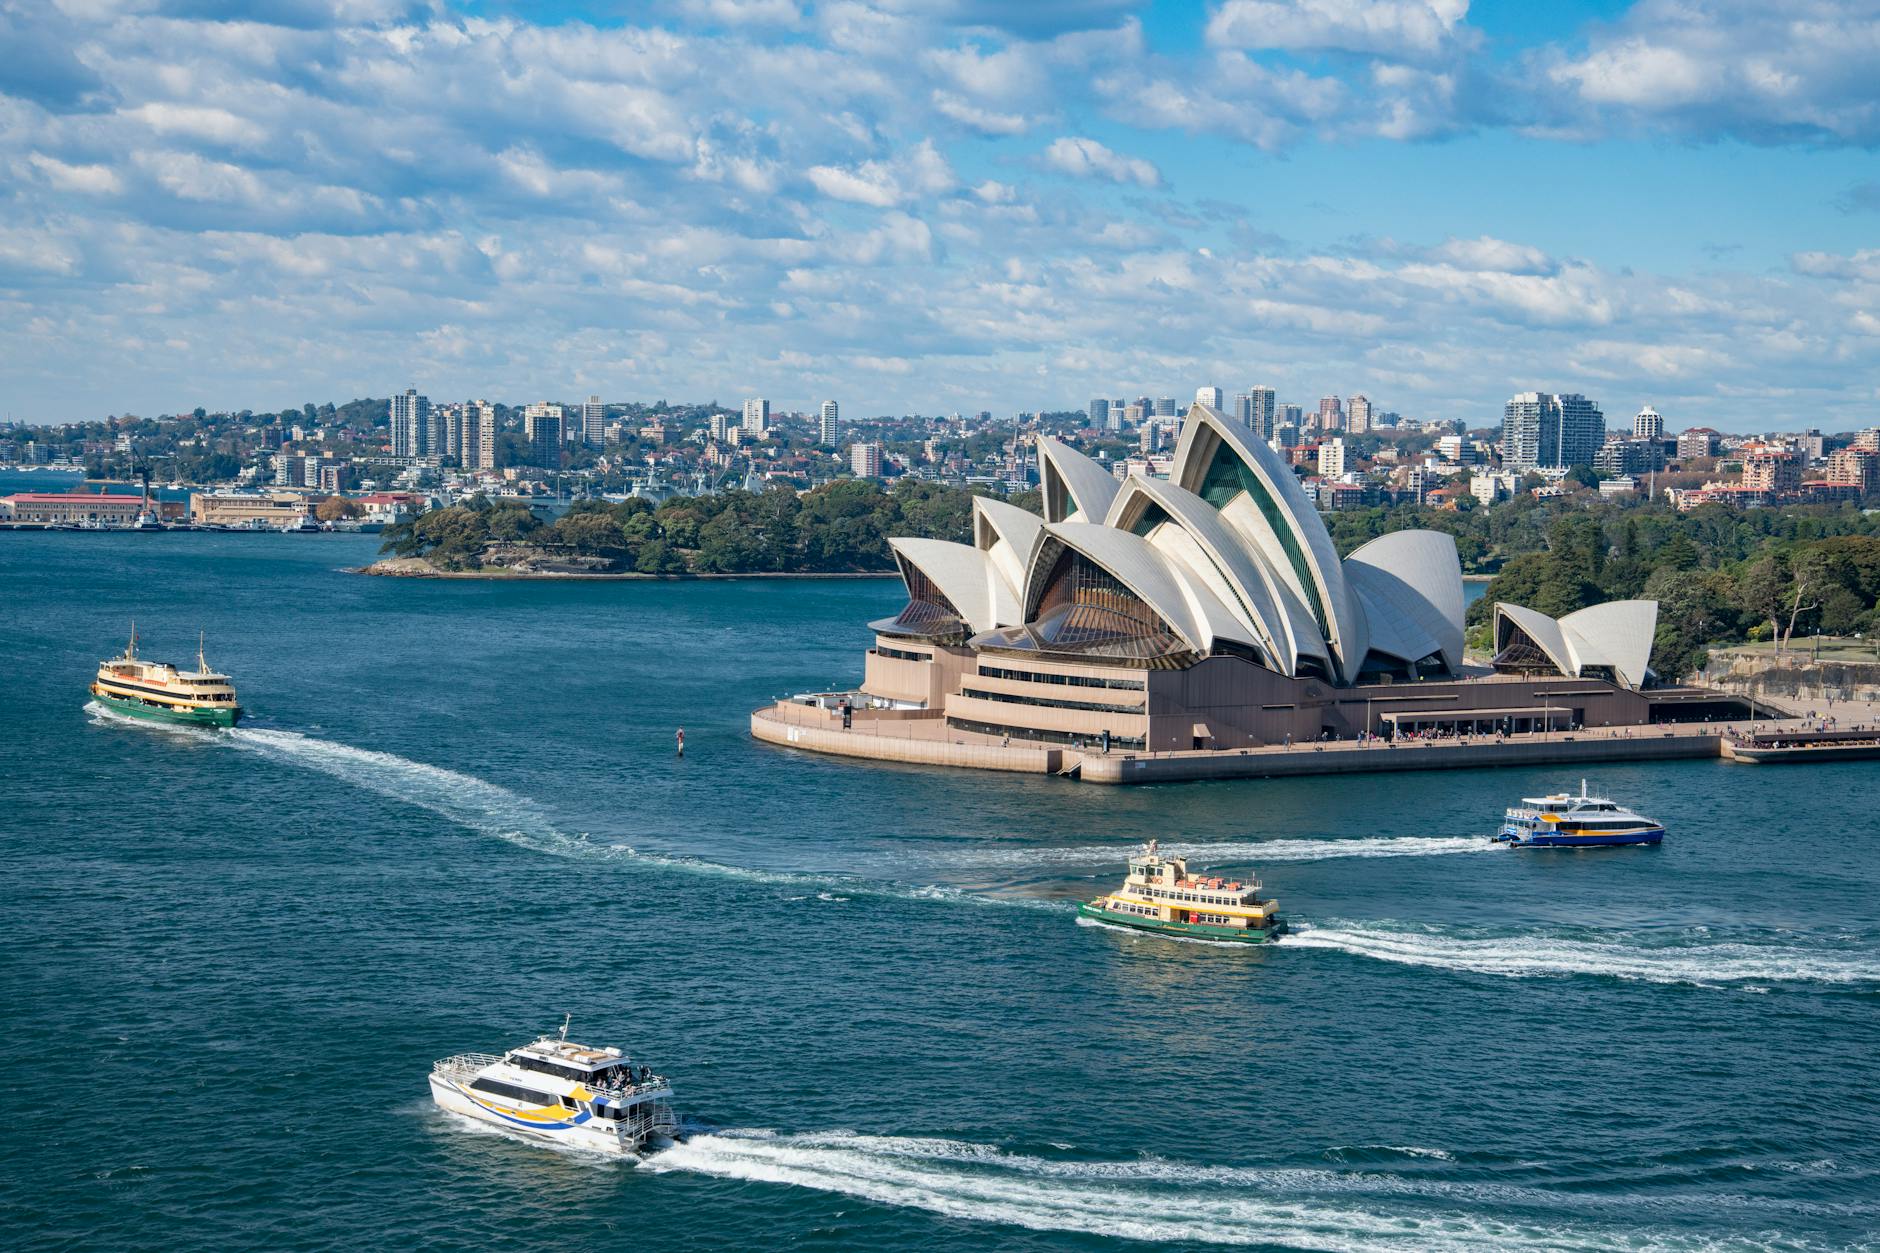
[198,122]
[1086,158]
[91,180]
[919,172]
[1488,253]
[1391,28]
[983,120]
[489,205]
[1768,73]
[744,12]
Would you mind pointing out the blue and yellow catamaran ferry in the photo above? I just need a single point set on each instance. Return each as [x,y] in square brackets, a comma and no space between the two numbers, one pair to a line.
[128,684]
[1565,821]
[556,1090]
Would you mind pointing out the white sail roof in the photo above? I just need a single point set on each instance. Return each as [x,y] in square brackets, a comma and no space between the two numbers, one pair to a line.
[1191,611]
[1279,522]
[966,576]
[1410,583]
[1009,536]
[1283,626]
[1075,488]
[1617,634]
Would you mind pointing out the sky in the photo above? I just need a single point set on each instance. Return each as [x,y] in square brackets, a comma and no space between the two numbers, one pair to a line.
[943,205]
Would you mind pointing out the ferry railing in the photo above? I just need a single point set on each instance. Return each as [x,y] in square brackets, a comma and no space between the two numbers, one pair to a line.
[464,1063]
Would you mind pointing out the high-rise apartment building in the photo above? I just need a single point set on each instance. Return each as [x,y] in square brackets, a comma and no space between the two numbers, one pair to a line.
[476,435]
[1358,414]
[1543,431]
[1774,470]
[1647,424]
[1212,397]
[757,417]
[1291,415]
[542,427]
[593,430]
[829,424]
[865,459]
[1332,459]
[411,424]
[1331,415]
[1164,406]
[1100,415]
[1855,467]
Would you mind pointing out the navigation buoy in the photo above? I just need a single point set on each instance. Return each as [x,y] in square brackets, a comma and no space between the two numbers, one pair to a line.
[681,741]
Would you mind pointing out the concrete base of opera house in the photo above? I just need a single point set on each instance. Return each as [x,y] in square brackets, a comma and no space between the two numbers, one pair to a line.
[920,737]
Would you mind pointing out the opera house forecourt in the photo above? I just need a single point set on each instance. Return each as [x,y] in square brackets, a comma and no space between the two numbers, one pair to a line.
[1203,625]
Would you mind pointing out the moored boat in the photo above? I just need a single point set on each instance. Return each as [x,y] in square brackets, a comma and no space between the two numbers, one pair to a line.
[562,1092]
[1566,821]
[1160,895]
[157,689]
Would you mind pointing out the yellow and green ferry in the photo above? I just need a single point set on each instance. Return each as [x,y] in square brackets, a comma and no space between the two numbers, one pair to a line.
[128,684]
[1160,895]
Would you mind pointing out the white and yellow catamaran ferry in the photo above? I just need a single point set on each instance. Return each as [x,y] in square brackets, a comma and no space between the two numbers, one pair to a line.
[1160,895]
[593,1098]
[156,689]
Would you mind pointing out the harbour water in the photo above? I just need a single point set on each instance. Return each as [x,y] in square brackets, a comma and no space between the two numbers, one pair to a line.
[229,958]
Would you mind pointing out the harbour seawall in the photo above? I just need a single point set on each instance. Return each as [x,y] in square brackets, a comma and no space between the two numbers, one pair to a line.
[914,739]
[1427,755]
[776,725]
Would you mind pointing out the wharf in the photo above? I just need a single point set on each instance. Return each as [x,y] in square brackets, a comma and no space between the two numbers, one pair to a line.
[917,738]
[1778,747]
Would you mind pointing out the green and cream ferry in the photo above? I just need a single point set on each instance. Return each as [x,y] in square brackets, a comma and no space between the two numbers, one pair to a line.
[1160,895]
[128,684]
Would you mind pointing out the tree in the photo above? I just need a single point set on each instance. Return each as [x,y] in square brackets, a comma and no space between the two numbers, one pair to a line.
[337,509]
[591,533]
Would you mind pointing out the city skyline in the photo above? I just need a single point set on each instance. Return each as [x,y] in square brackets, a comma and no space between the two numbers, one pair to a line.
[925,207]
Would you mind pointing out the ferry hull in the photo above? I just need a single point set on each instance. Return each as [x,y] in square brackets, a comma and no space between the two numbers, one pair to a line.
[587,1133]
[1187,930]
[1616,840]
[163,713]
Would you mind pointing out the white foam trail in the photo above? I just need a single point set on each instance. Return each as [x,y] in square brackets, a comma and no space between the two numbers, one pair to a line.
[1535,956]
[494,810]
[1155,1201]
[464,799]
[1224,853]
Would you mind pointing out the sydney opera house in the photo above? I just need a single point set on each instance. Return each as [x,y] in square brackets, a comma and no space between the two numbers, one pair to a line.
[1211,611]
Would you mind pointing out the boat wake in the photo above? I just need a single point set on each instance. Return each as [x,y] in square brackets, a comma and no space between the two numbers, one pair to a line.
[1225,853]
[1148,1199]
[1699,962]
[462,798]
[491,809]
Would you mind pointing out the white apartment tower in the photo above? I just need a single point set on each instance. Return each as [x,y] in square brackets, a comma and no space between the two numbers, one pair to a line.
[479,435]
[1543,431]
[411,425]
[1212,397]
[830,425]
[865,460]
[1332,459]
[1647,424]
[757,417]
[593,431]
[1358,415]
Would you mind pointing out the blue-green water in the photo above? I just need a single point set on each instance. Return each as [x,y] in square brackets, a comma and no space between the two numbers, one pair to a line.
[227,960]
